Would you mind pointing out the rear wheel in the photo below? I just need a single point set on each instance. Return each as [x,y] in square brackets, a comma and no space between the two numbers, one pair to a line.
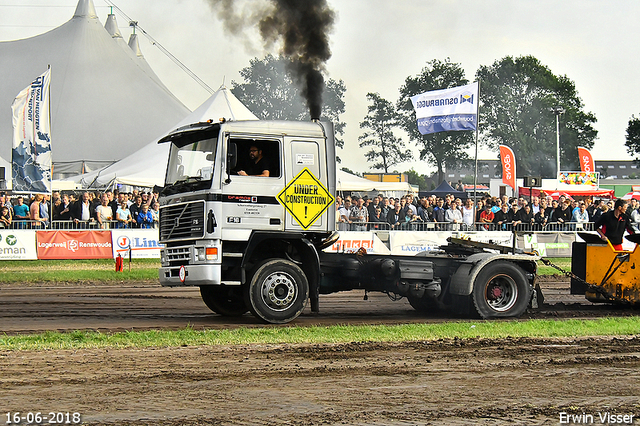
[224,300]
[501,290]
[278,291]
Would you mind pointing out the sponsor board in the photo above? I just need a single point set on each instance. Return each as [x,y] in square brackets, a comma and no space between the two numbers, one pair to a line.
[143,243]
[74,244]
[17,245]
[352,241]
[411,243]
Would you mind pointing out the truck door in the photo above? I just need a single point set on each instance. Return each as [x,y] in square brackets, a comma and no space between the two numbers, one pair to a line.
[249,200]
[306,209]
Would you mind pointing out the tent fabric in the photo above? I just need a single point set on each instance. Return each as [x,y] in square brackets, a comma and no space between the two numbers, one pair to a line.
[348,182]
[147,166]
[442,190]
[105,104]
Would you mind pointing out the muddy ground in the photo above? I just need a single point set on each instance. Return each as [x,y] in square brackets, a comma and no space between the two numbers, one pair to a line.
[453,382]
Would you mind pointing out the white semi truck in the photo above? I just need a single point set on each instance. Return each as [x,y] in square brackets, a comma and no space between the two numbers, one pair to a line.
[255,243]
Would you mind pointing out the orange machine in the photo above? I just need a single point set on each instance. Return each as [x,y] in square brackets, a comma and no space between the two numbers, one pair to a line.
[604,274]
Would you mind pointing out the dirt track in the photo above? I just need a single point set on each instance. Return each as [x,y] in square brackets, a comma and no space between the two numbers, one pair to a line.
[496,382]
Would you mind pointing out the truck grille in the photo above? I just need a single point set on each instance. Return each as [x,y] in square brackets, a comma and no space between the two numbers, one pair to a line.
[177,256]
[183,221]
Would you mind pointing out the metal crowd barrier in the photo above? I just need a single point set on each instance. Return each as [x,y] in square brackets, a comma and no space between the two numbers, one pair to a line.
[477,226]
[69,225]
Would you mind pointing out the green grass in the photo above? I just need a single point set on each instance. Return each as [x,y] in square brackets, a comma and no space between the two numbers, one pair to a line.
[313,335]
[29,271]
[563,262]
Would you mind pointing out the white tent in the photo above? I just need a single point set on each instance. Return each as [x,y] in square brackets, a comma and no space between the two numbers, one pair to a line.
[106,103]
[348,182]
[147,166]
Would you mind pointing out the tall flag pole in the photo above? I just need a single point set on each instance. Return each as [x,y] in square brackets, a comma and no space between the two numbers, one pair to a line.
[586,160]
[31,154]
[508,167]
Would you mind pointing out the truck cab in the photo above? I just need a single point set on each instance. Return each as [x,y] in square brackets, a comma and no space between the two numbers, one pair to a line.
[220,225]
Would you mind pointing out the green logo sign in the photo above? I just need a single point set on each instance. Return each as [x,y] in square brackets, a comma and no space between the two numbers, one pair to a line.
[11,240]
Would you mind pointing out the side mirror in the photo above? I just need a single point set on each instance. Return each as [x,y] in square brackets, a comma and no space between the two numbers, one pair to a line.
[232,156]
[232,160]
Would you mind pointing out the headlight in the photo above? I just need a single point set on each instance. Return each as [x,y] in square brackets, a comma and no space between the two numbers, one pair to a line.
[200,253]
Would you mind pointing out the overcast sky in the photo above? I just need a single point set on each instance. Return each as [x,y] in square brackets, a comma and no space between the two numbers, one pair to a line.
[376,44]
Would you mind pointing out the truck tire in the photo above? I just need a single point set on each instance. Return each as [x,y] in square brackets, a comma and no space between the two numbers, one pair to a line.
[278,291]
[224,300]
[501,290]
[425,305]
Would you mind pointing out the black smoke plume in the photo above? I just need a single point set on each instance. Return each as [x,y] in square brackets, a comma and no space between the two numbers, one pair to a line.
[302,27]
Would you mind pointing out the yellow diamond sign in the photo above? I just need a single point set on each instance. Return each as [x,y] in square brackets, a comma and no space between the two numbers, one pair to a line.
[305,198]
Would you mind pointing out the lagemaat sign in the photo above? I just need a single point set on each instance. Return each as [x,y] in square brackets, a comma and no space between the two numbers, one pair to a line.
[305,198]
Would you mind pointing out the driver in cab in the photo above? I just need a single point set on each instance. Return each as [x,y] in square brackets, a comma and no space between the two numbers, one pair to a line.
[258,165]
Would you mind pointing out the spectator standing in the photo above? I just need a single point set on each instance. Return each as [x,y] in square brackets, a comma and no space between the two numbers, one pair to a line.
[123,215]
[144,218]
[5,218]
[580,215]
[104,214]
[613,223]
[343,213]
[82,213]
[34,212]
[439,211]
[468,214]
[502,218]
[486,217]
[155,212]
[453,216]
[63,210]
[21,213]
[135,208]
[359,216]
[395,218]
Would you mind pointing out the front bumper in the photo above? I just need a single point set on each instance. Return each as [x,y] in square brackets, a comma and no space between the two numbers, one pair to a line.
[194,275]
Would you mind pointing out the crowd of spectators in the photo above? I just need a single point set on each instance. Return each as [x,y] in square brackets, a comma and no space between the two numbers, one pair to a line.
[490,213]
[85,210]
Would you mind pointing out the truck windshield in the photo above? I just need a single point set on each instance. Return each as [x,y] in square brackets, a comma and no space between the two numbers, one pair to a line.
[192,162]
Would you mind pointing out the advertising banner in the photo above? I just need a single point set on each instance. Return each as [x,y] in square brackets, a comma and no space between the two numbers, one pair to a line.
[579,178]
[352,241]
[17,245]
[508,166]
[586,160]
[142,242]
[74,244]
[447,109]
[31,154]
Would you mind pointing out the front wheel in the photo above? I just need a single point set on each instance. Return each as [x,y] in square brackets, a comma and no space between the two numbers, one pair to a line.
[501,290]
[278,291]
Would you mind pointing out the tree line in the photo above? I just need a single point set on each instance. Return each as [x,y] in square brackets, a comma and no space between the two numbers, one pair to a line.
[518,96]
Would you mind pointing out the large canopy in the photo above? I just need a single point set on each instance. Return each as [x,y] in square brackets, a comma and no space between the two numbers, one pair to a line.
[147,166]
[348,182]
[106,103]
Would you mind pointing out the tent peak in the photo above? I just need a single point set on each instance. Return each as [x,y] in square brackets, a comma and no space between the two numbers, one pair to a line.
[85,9]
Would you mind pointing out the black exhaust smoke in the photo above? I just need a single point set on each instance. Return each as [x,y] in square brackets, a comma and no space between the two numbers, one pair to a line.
[302,27]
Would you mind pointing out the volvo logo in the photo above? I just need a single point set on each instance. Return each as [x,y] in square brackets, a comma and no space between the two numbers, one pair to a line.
[176,222]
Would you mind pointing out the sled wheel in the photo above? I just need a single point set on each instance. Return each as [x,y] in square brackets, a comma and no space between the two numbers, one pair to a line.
[501,290]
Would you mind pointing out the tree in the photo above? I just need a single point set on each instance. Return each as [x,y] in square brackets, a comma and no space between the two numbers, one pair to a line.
[516,101]
[633,137]
[443,149]
[387,149]
[270,92]
[416,178]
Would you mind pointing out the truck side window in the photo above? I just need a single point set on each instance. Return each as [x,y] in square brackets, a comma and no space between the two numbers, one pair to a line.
[257,157]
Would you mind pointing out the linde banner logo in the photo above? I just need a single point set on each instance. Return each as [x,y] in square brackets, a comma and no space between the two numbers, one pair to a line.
[447,109]
[137,243]
[508,166]
[74,244]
